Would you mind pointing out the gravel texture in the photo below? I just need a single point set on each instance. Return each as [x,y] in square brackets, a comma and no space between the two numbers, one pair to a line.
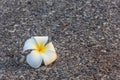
[85,33]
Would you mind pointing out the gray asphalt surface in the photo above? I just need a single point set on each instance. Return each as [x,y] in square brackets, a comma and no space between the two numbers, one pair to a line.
[85,33]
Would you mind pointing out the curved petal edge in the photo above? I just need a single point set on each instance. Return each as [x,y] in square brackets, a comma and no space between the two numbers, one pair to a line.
[49,57]
[34,59]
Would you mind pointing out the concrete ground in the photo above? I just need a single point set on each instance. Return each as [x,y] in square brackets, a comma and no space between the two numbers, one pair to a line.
[85,33]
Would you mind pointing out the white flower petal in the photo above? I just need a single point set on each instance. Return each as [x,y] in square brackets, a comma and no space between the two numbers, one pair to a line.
[34,59]
[50,46]
[41,39]
[49,57]
[29,44]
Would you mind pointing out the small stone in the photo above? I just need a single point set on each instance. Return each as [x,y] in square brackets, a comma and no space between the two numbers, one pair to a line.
[21,77]
[103,51]
[49,2]
[22,59]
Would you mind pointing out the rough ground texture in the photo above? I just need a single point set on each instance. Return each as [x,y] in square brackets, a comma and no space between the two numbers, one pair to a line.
[85,33]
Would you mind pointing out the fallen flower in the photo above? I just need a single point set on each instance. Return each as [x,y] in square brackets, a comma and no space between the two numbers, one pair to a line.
[40,51]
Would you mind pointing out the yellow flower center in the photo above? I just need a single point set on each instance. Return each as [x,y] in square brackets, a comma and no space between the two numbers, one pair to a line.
[41,48]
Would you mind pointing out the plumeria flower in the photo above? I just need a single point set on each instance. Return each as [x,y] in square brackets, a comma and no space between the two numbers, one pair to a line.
[41,51]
